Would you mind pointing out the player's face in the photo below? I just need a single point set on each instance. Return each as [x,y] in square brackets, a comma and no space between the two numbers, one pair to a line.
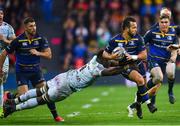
[132,29]
[30,28]
[164,24]
[1,16]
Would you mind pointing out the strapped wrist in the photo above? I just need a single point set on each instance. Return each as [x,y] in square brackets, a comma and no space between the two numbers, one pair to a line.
[134,57]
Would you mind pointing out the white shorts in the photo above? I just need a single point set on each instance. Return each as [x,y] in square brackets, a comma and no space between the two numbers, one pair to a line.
[59,88]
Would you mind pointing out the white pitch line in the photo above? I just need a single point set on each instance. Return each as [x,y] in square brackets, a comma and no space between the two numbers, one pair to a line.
[95,100]
[105,93]
[73,114]
[86,106]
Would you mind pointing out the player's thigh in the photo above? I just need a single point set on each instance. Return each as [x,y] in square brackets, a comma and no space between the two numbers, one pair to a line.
[136,77]
[5,69]
[170,70]
[59,92]
[37,79]
[22,82]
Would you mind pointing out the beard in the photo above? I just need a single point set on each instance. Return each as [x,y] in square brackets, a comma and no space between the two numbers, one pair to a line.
[130,34]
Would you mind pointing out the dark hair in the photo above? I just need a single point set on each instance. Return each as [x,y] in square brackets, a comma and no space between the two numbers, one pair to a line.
[27,20]
[164,16]
[2,9]
[126,22]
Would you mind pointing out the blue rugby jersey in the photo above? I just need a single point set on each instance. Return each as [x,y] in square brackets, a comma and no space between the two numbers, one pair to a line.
[25,61]
[7,31]
[133,46]
[158,42]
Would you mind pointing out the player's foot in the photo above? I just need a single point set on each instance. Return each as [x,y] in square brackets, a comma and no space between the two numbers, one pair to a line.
[151,107]
[172,98]
[8,108]
[139,110]
[59,119]
[130,111]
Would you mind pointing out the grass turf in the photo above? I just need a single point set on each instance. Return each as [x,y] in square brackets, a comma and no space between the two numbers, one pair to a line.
[108,108]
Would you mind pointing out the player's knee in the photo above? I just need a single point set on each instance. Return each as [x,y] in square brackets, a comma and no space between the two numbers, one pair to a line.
[158,78]
[171,76]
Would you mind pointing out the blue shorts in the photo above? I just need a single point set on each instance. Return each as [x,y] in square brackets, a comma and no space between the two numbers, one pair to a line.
[25,78]
[152,64]
[138,67]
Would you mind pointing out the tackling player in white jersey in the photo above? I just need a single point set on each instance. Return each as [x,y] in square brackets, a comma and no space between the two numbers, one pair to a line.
[64,84]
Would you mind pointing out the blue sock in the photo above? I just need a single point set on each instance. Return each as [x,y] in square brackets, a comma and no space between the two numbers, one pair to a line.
[52,108]
[170,86]
[150,84]
[143,93]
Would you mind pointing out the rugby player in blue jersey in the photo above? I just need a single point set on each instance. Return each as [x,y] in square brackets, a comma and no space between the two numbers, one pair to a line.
[135,53]
[167,12]
[161,55]
[29,47]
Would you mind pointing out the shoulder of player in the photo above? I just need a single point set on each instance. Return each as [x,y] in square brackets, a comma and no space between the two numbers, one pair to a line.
[7,25]
[117,38]
[137,37]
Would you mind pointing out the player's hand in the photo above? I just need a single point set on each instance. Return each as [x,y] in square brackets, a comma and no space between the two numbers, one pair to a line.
[173,47]
[115,55]
[128,56]
[34,52]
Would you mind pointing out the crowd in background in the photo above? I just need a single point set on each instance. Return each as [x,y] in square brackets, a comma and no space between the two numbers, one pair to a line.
[89,24]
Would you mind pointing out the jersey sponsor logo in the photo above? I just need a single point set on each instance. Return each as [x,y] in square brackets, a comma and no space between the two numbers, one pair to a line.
[24,44]
[120,44]
[36,43]
[169,37]
[158,36]
[131,43]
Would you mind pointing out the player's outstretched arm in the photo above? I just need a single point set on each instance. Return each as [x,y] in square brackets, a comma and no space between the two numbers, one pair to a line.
[112,71]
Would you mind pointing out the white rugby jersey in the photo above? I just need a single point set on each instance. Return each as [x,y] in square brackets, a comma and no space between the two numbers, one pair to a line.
[7,31]
[84,76]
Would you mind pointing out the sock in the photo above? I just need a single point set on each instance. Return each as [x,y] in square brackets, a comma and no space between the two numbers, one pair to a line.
[171,85]
[150,84]
[27,104]
[52,108]
[29,94]
[153,99]
[143,93]
[133,105]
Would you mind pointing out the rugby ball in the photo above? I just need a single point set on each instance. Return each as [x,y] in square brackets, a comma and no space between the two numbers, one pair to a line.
[121,51]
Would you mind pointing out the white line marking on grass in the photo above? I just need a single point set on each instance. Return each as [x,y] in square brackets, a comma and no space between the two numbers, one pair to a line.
[95,99]
[105,93]
[73,114]
[86,106]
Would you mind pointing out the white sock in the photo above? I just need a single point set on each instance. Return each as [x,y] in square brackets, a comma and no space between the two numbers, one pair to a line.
[148,101]
[27,104]
[29,94]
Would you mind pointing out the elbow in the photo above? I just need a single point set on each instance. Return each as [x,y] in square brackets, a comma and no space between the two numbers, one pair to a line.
[49,56]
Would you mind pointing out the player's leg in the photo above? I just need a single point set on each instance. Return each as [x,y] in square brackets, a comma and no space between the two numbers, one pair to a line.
[170,71]
[38,81]
[156,79]
[3,79]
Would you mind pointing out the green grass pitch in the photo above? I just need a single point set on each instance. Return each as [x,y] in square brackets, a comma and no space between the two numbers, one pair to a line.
[101,105]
